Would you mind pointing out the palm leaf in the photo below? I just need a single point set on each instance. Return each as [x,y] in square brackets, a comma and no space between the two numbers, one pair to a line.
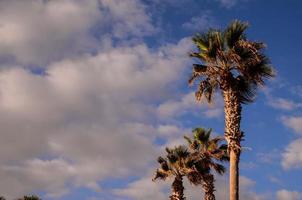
[235,32]
[220,169]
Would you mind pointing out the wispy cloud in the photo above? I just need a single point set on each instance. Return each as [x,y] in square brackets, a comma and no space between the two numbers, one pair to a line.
[230,3]
[288,195]
[188,103]
[269,157]
[200,23]
[293,122]
[39,32]
[284,104]
[292,157]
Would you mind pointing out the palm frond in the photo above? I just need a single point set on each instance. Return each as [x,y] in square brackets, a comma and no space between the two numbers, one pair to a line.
[164,166]
[172,158]
[202,167]
[201,135]
[159,175]
[160,160]
[194,177]
[246,90]
[220,169]
[201,41]
[188,139]
[235,32]
[181,151]
[215,43]
[198,68]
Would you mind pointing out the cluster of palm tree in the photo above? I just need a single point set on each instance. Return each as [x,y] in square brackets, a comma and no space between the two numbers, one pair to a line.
[195,162]
[230,63]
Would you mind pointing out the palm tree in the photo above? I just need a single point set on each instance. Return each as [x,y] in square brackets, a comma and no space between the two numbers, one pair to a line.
[206,154]
[173,165]
[228,61]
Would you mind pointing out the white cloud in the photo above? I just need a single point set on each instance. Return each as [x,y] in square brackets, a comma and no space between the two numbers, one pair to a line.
[145,189]
[89,114]
[283,104]
[37,174]
[37,32]
[297,90]
[200,23]
[128,17]
[288,195]
[228,3]
[275,180]
[269,157]
[293,122]
[214,112]
[292,157]
[187,103]
[169,130]
[173,108]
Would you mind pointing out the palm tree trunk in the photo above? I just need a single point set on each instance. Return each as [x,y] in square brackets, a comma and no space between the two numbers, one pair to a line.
[177,189]
[233,135]
[208,187]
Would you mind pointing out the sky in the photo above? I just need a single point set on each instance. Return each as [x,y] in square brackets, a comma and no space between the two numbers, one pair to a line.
[91,92]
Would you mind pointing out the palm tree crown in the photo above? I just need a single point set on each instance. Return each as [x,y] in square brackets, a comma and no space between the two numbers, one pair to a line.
[227,59]
[206,154]
[174,165]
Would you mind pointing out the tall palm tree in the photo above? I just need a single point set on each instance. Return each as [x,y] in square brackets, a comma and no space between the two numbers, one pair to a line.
[206,154]
[173,165]
[228,61]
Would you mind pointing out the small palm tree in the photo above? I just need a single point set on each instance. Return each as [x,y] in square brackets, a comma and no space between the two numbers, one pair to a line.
[206,154]
[173,165]
[228,61]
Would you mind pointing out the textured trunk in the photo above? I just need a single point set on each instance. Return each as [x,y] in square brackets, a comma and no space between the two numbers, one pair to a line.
[234,175]
[233,135]
[208,187]
[177,189]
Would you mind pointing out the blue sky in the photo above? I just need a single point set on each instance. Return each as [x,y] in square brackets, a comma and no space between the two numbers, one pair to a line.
[92,91]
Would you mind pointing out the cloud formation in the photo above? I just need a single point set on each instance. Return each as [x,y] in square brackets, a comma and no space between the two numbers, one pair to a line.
[288,195]
[90,111]
[283,104]
[200,23]
[81,112]
[187,103]
[37,32]
[292,157]
[293,122]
